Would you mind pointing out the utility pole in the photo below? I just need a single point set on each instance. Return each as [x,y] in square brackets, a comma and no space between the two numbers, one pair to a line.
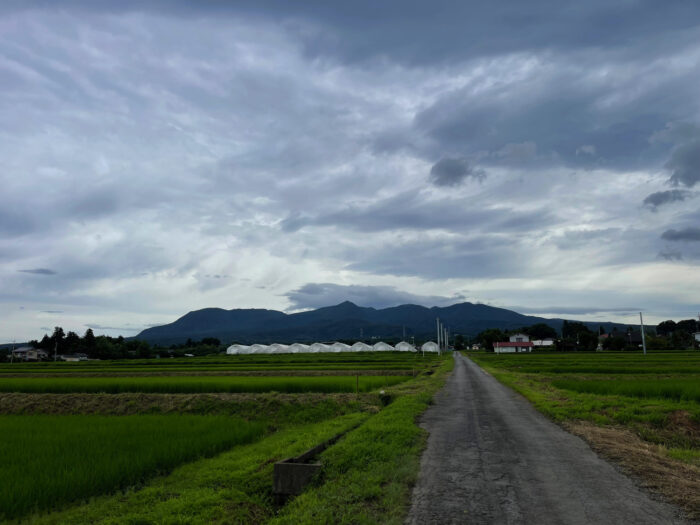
[55,349]
[438,333]
[644,342]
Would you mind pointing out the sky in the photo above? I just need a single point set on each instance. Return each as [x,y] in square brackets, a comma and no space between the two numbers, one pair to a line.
[160,157]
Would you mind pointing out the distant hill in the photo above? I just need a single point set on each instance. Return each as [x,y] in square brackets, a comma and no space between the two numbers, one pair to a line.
[343,321]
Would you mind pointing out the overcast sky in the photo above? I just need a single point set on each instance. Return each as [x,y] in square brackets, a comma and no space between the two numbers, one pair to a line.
[160,157]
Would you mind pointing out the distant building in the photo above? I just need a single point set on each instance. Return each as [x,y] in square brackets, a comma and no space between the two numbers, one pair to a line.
[73,357]
[543,342]
[697,336]
[28,353]
[509,347]
[519,338]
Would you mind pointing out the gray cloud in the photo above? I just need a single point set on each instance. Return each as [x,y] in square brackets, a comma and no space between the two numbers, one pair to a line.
[690,234]
[576,310]
[39,271]
[279,144]
[660,198]
[671,255]
[684,164]
[52,311]
[452,171]
[316,295]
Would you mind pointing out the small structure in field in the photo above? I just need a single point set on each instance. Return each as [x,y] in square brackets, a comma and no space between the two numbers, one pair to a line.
[361,347]
[403,346]
[430,346]
[381,346]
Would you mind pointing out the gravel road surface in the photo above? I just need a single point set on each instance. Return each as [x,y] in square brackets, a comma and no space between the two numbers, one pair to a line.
[492,458]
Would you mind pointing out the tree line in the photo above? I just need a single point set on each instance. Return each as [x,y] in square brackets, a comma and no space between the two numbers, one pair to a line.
[106,347]
[576,336]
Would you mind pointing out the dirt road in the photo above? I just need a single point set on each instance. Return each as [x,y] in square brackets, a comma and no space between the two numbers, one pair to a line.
[492,458]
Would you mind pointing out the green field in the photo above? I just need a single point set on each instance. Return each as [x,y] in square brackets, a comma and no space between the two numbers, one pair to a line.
[234,363]
[645,393]
[49,460]
[87,468]
[190,384]
[661,388]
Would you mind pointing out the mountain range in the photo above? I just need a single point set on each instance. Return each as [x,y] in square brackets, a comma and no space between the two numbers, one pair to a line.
[341,322]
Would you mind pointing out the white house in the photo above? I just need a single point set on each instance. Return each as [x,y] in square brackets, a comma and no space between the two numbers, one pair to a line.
[516,343]
[697,336]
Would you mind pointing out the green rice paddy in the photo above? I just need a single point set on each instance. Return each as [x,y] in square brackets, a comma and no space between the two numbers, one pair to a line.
[192,384]
[50,460]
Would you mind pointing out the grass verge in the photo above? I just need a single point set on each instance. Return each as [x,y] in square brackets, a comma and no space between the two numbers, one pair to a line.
[234,487]
[369,475]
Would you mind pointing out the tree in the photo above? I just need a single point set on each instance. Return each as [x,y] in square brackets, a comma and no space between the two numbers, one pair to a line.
[89,342]
[687,325]
[72,342]
[540,331]
[459,342]
[666,328]
[490,336]
[57,338]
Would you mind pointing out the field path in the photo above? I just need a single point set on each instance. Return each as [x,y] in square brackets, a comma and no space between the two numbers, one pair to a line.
[492,458]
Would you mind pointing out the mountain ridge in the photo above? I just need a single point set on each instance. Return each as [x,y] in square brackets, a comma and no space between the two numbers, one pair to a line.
[345,320]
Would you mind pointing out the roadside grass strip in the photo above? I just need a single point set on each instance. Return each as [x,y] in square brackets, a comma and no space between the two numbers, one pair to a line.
[194,384]
[370,474]
[675,389]
[233,487]
[52,460]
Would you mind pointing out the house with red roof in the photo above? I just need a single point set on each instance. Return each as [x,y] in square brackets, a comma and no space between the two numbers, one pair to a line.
[517,343]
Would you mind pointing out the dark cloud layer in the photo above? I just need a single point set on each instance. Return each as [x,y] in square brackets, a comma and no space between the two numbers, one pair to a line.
[684,164]
[660,198]
[452,172]
[316,295]
[690,234]
[39,271]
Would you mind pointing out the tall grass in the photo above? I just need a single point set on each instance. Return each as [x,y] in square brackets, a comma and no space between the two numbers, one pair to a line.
[47,461]
[193,384]
[676,389]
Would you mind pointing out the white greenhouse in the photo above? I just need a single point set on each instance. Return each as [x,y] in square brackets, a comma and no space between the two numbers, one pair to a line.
[340,347]
[259,349]
[361,347]
[298,348]
[430,347]
[278,349]
[238,349]
[317,348]
[381,346]
[403,346]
